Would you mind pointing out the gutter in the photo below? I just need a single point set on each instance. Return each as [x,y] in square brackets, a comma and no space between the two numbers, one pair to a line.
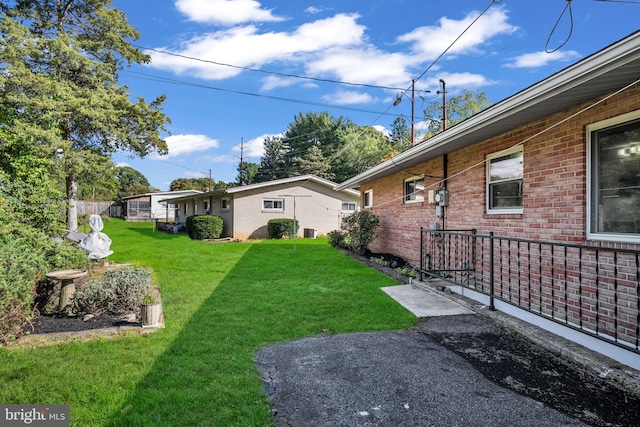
[595,65]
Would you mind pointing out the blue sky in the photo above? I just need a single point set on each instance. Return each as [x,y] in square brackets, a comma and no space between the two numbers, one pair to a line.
[232,70]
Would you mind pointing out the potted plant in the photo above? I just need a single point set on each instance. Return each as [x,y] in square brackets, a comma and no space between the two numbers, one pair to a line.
[151,308]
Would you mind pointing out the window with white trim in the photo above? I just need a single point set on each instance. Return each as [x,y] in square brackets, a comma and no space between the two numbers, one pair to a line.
[273,204]
[205,206]
[414,189]
[613,181]
[224,204]
[349,206]
[505,181]
[367,199]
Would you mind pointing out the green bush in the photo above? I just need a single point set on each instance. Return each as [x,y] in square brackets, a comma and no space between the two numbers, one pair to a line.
[337,239]
[200,227]
[281,227]
[359,230]
[120,291]
[26,256]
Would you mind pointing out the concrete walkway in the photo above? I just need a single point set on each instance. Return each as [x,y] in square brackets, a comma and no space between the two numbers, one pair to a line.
[424,303]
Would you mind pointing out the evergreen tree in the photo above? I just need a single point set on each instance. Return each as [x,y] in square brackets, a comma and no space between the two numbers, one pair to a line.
[59,64]
[272,164]
[314,163]
[247,173]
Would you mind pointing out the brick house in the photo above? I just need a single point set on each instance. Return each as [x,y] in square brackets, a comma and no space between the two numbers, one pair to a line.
[247,209]
[532,205]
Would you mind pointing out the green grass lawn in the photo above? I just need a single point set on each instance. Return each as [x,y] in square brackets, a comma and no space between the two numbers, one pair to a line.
[222,303]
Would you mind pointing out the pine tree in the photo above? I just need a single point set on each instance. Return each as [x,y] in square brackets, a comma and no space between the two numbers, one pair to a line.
[59,64]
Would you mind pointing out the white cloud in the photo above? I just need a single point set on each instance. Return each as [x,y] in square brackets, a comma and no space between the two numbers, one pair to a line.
[254,148]
[247,47]
[274,82]
[367,65]
[431,41]
[185,144]
[540,59]
[313,10]
[226,12]
[348,97]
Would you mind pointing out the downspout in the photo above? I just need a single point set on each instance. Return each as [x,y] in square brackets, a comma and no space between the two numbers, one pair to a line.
[445,172]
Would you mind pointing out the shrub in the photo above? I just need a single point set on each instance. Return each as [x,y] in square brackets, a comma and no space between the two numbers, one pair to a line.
[337,239]
[26,256]
[120,291]
[281,227]
[359,229]
[200,227]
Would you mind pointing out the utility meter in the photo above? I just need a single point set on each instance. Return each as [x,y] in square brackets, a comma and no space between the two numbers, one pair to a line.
[442,198]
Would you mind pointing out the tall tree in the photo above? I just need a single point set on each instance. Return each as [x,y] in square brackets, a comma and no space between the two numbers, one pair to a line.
[132,182]
[459,108]
[400,134]
[200,184]
[247,172]
[272,164]
[364,147]
[314,163]
[97,181]
[59,64]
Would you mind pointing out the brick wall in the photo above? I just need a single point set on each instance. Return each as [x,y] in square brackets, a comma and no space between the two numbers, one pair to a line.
[554,184]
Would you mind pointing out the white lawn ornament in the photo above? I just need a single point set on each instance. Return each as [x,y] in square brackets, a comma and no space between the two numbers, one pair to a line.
[96,244]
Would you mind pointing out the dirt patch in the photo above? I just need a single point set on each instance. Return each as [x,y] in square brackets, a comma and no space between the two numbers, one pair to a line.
[517,364]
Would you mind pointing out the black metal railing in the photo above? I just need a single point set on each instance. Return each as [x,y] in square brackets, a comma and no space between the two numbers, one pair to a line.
[589,288]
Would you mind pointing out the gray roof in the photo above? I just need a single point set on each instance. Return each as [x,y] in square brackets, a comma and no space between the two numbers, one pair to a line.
[266,184]
[607,71]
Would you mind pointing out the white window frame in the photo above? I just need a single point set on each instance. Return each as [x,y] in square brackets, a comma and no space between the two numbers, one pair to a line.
[418,197]
[367,195]
[502,210]
[205,206]
[591,175]
[274,201]
[349,204]
[225,204]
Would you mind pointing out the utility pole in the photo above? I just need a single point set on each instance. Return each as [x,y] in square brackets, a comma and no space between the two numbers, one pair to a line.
[240,169]
[294,213]
[444,105]
[210,181]
[413,103]
[241,159]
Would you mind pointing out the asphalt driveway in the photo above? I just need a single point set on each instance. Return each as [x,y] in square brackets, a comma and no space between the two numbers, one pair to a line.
[460,370]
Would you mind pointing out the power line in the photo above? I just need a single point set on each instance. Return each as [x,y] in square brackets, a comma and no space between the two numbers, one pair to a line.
[277,98]
[258,70]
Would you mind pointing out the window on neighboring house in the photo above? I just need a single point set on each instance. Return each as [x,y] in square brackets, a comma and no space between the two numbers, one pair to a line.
[349,206]
[224,204]
[614,179]
[368,199]
[273,204]
[414,189]
[205,206]
[504,181]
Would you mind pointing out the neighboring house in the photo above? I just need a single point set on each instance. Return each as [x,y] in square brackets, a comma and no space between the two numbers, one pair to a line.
[151,206]
[554,171]
[246,210]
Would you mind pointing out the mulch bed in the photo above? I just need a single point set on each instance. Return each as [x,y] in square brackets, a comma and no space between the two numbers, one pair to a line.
[45,324]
